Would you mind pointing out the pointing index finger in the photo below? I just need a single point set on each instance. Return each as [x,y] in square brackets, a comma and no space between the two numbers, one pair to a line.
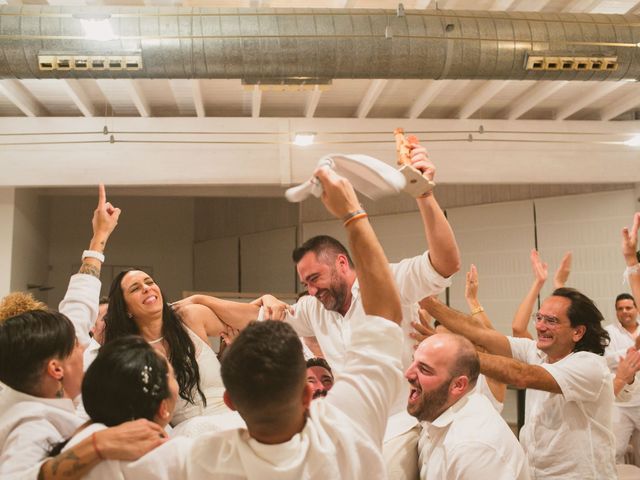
[102,196]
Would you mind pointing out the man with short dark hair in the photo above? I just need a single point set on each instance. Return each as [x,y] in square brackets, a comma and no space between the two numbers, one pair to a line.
[463,437]
[624,333]
[319,376]
[567,431]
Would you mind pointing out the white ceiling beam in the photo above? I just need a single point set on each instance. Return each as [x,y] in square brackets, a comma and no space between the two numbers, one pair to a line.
[567,153]
[313,99]
[623,104]
[480,97]
[421,4]
[196,92]
[634,9]
[528,5]
[256,101]
[501,5]
[347,3]
[539,92]
[22,98]
[369,100]
[584,100]
[582,6]
[137,97]
[429,92]
[79,97]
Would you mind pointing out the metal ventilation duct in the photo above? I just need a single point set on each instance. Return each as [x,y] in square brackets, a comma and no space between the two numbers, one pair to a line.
[312,45]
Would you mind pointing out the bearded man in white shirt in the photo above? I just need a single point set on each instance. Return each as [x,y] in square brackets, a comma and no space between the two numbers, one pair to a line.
[463,436]
[624,333]
[568,431]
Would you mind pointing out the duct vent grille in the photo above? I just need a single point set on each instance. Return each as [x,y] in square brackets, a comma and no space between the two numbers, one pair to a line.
[539,62]
[90,62]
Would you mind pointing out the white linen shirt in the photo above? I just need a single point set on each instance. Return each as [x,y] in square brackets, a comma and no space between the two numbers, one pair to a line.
[80,304]
[342,436]
[568,435]
[621,340]
[29,427]
[470,441]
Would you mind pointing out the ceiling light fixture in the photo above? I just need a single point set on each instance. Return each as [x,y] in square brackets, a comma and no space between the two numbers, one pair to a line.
[96,27]
[633,141]
[304,139]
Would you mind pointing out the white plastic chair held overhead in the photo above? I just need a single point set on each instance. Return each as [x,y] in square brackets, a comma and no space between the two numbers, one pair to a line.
[368,175]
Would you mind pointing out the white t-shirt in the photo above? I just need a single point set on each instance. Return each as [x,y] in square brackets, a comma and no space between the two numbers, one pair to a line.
[342,436]
[621,340]
[470,441]
[568,435]
[29,428]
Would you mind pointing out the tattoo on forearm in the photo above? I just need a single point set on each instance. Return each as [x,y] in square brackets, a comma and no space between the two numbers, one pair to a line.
[90,270]
[65,465]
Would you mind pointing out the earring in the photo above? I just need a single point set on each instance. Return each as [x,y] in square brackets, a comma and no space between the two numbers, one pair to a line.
[129,315]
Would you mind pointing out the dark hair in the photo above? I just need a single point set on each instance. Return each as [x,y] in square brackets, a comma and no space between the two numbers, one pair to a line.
[28,341]
[182,351]
[322,246]
[319,362]
[264,366]
[126,381]
[625,296]
[436,323]
[103,300]
[583,311]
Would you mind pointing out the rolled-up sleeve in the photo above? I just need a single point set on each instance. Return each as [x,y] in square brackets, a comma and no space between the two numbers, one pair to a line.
[416,278]
[80,304]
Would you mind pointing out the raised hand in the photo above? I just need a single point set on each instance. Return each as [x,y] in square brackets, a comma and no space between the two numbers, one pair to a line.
[562,273]
[630,240]
[338,195]
[471,286]
[540,268]
[423,328]
[105,216]
[420,160]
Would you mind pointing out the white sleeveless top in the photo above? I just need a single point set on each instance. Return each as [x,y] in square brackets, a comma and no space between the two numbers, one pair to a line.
[210,384]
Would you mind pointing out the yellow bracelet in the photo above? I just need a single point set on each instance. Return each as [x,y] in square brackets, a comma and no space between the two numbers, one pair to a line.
[355,217]
[477,310]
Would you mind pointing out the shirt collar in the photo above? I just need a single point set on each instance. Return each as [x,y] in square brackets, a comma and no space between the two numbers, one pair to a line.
[9,397]
[449,415]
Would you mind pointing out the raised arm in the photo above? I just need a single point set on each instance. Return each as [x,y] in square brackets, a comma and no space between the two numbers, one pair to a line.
[520,324]
[377,289]
[443,249]
[457,322]
[562,273]
[234,314]
[80,303]
[520,374]
[471,296]
[629,249]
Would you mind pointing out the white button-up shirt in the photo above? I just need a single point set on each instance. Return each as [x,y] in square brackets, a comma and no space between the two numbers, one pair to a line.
[621,340]
[470,441]
[341,438]
[568,435]
[29,427]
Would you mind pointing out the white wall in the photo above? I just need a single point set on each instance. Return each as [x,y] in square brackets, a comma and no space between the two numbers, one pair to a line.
[152,232]
[30,243]
[7,209]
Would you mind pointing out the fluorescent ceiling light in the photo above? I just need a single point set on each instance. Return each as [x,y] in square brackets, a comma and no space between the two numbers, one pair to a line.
[97,29]
[633,141]
[304,139]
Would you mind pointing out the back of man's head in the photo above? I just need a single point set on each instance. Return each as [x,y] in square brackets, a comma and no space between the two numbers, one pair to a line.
[583,311]
[465,361]
[264,370]
[326,249]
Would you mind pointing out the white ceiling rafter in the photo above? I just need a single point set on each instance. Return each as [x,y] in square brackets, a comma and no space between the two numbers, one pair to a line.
[198,102]
[79,96]
[256,101]
[313,99]
[623,104]
[501,5]
[137,97]
[532,97]
[585,99]
[429,92]
[634,9]
[479,97]
[20,96]
[370,97]
[579,6]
